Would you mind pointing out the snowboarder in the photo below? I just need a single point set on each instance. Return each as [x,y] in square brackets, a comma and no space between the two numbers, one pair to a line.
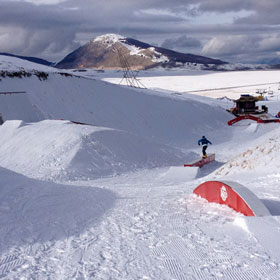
[204,142]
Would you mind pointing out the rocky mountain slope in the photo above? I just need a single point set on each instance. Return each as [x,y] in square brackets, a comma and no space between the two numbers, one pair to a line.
[111,51]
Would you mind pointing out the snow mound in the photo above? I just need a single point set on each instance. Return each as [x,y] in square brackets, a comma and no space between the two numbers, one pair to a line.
[19,106]
[44,211]
[62,150]
[38,149]
[262,155]
[10,126]
[165,118]
[8,63]
[178,174]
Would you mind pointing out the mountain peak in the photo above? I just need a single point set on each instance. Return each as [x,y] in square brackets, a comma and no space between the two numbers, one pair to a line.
[100,53]
[109,38]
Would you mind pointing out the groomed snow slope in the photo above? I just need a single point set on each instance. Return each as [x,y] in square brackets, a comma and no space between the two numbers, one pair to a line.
[54,149]
[43,211]
[138,218]
[166,119]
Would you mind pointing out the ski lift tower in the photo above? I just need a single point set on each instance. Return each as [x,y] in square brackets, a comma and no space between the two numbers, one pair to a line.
[128,74]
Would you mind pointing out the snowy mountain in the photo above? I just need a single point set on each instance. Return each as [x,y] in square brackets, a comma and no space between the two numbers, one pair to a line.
[93,184]
[31,59]
[104,52]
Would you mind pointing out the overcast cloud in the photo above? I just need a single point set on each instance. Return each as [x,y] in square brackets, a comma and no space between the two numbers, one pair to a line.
[232,30]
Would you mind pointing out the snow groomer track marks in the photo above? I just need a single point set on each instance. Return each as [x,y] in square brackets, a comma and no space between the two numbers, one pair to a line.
[8,263]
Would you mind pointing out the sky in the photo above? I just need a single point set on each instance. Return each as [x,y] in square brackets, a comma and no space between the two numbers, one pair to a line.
[238,31]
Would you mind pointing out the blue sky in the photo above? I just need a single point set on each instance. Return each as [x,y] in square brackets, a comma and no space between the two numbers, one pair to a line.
[244,31]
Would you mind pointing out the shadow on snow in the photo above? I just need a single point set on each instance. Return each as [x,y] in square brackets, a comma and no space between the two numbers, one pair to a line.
[34,211]
[273,206]
[208,169]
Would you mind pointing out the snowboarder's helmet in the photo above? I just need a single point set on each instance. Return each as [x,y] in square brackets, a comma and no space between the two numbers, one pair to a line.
[203,136]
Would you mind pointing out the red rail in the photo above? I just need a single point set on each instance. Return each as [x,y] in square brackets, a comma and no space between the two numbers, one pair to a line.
[258,120]
[202,161]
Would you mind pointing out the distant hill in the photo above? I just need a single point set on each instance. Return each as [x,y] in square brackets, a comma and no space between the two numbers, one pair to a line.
[30,58]
[104,52]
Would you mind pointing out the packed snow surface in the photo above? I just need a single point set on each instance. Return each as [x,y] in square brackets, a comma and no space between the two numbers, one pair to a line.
[93,184]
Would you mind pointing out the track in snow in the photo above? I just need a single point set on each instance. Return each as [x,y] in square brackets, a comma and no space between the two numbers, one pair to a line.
[9,263]
[154,231]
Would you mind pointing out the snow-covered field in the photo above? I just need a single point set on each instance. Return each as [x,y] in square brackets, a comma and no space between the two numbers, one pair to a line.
[211,84]
[112,200]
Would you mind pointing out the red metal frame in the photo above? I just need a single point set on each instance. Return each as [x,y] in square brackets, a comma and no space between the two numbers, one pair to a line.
[202,161]
[258,120]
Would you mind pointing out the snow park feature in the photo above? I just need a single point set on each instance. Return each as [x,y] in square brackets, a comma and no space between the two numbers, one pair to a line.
[254,118]
[246,109]
[179,174]
[202,161]
[234,195]
[113,200]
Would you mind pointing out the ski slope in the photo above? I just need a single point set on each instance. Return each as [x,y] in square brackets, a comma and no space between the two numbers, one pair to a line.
[112,200]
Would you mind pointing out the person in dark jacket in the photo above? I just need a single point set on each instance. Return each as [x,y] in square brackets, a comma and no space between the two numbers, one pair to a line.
[204,142]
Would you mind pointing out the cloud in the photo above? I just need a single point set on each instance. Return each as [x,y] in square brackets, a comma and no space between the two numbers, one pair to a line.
[229,45]
[37,30]
[183,43]
[51,28]
[271,43]
[243,48]
[259,11]
[44,2]
[225,5]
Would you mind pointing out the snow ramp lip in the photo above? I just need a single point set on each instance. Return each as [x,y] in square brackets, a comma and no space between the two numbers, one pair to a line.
[180,173]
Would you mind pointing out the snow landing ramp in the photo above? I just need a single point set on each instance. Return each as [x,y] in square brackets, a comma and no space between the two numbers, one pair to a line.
[179,174]
[202,161]
[233,195]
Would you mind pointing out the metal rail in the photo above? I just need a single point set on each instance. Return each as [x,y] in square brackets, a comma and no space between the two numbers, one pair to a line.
[213,89]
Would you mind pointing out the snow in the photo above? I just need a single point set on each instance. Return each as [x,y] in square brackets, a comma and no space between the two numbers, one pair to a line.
[111,199]
[158,57]
[108,39]
[111,39]
[210,84]
[8,63]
